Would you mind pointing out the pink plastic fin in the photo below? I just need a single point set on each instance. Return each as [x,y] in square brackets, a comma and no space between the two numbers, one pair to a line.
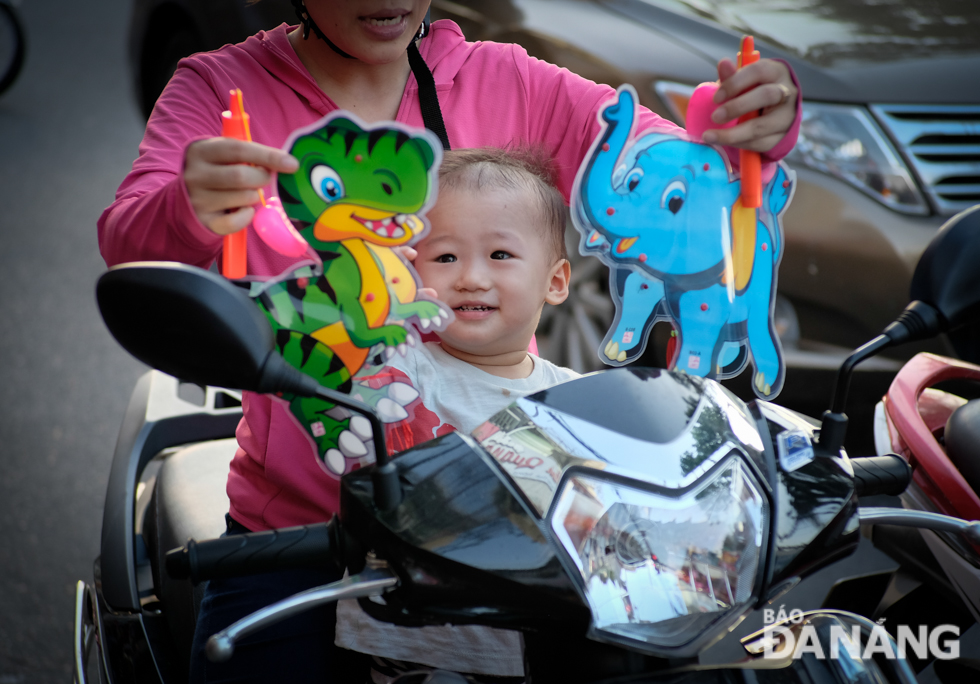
[276,230]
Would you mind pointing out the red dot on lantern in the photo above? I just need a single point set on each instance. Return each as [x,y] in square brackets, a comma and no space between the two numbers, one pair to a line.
[643,257]
[610,211]
[765,247]
[303,283]
[644,286]
[704,307]
[358,157]
[707,166]
[785,184]
[369,297]
[396,280]
[605,147]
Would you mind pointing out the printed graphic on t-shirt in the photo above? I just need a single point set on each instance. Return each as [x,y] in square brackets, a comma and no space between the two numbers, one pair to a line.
[419,423]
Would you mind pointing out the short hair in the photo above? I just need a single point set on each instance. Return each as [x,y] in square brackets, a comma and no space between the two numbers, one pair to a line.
[526,169]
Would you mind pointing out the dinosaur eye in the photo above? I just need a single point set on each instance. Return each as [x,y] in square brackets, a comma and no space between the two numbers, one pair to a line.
[326,182]
[673,197]
[633,179]
[386,188]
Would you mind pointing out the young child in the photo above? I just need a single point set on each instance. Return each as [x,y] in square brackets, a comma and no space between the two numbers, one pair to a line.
[495,254]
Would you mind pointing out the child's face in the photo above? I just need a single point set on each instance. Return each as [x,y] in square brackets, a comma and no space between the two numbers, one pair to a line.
[489,259]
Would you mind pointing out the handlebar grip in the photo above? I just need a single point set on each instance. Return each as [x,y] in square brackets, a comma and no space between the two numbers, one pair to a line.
[307,546]
[889,474]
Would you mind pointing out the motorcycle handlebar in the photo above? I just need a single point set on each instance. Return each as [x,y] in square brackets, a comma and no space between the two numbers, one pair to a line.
[308,546]
[889,474]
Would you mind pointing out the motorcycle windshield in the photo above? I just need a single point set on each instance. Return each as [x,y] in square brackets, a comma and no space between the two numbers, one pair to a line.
[661,428]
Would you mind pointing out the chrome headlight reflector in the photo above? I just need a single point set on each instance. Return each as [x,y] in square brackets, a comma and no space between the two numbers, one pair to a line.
[845,142]
[659,569]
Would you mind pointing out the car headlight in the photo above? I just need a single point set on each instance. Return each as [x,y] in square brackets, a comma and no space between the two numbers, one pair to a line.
[840,140]
[845,142]
[663,571]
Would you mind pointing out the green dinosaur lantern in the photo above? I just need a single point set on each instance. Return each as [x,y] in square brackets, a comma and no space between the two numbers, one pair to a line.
[360,190]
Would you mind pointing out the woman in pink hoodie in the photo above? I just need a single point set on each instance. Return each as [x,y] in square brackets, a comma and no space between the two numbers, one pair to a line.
[189,187]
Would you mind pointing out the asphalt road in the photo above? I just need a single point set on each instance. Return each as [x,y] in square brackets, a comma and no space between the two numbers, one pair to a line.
[69,130]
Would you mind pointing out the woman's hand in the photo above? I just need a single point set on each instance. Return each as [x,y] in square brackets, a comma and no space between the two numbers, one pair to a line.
[764,85]
[223,177]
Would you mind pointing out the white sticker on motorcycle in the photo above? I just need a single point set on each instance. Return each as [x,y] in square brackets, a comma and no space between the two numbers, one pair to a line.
[795,449]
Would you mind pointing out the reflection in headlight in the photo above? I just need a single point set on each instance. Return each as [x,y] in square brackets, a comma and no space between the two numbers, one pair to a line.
[661,569]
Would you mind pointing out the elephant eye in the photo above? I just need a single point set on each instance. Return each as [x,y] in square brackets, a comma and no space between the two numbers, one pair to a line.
[673,197]
[326,182]
[633,179]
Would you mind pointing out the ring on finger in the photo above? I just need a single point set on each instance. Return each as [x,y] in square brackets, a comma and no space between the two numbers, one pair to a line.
[785,95]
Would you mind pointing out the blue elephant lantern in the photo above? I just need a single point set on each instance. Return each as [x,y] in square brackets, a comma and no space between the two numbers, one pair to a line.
[663,211]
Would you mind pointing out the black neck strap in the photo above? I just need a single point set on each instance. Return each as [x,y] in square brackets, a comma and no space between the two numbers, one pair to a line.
[428,98]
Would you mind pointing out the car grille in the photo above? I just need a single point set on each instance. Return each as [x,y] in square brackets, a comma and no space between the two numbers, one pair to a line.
[942,143]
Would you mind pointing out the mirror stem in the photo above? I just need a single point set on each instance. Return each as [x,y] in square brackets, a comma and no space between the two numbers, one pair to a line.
[918,321]
[865,351]
[833,427]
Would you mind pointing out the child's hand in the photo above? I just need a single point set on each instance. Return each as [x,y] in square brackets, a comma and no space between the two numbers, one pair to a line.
[409,254]
[775,96]
[405,252]
[223,176]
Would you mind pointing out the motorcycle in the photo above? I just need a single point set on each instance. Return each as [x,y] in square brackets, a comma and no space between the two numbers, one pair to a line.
[626,522]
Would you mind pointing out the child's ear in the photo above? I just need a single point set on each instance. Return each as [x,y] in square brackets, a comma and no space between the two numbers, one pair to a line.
[561,272]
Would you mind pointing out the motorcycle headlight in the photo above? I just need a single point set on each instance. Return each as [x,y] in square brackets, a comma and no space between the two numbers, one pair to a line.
[839,140]
[662,570]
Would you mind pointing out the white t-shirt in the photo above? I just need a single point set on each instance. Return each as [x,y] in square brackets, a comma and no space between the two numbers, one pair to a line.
[452,395]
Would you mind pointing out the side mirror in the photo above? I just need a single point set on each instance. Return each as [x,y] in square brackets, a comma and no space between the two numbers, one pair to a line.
[948,277]
[945,296]
[198,326]
[194,325]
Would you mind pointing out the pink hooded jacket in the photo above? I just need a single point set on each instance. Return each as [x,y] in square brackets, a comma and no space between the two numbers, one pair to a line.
[491,94]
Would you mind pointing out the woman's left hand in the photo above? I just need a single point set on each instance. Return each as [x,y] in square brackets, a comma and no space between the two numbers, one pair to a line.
[765,85]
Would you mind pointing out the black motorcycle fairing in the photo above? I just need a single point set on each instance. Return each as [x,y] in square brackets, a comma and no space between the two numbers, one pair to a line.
[657,417]
[817,520]
[466,548]
[463,523]
[766,469]
[603,421]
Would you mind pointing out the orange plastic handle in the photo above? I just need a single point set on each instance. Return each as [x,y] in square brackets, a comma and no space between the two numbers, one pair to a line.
[750,163]
[234,124]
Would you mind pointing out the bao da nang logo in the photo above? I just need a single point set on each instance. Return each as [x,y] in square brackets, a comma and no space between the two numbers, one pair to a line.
[792,635]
